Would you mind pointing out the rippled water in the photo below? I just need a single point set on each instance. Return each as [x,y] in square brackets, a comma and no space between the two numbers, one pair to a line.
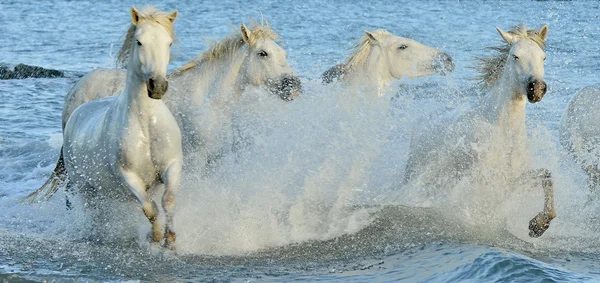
[313,197]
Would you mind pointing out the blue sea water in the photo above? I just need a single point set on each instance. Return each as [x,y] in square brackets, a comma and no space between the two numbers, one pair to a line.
[311,201]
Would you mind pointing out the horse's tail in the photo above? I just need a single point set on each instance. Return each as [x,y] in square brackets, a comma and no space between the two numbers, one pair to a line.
[57,179]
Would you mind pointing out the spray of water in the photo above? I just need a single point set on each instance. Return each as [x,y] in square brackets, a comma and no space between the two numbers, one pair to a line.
[324,166]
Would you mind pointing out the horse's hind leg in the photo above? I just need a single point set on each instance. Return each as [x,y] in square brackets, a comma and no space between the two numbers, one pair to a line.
[171,179]
[540,223]
[68,191]
[138,188]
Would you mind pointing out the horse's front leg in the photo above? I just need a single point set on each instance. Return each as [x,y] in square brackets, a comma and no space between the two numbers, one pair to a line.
[138,188]
[540,223]
[171,179]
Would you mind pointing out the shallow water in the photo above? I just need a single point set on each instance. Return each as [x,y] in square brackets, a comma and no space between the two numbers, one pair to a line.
[315,196]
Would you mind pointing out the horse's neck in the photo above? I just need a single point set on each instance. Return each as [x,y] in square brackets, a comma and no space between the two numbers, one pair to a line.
[373,74]
[230,85]
[214,82]
[504,108]
[134,100]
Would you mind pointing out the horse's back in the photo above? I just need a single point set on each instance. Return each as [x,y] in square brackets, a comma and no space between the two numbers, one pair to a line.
[579,129]
[87,122]
[94,85]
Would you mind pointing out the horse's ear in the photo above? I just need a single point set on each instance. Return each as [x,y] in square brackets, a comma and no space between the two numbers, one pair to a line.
[505,35]
[543,32]
[246,34]
[172,16]
[371,36]
[135,16]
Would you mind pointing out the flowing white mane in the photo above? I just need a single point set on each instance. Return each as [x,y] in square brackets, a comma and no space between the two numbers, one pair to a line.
[363,48]
[228,46]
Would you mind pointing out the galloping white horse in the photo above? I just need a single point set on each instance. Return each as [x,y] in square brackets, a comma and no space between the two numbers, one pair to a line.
[580,132]
[209,87]
[446,151]
[131,142]
[380,58]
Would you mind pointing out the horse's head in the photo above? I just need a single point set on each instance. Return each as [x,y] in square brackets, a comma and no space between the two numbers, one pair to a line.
[409,58]
[266,65]
[149,56]
[525,61]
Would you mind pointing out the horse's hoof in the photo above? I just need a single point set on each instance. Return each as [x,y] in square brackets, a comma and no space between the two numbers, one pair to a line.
[538,225]
[170,240]
[154,236]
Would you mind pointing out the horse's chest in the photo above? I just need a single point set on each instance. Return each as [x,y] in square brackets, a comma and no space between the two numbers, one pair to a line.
[135,150]
[147,147]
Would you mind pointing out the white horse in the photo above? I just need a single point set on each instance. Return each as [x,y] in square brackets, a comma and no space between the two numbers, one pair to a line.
[380,58]
[448,150]
[208,89]
[203,94]
[131,142]
[580,132]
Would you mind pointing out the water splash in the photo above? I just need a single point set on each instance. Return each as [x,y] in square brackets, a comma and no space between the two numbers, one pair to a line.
[324,166]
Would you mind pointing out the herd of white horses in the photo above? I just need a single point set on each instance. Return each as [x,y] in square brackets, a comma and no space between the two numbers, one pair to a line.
[126,132]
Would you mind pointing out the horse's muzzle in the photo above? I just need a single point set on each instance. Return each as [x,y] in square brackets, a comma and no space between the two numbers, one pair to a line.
[286,87]
[536,90]
[443,64]
[157,87]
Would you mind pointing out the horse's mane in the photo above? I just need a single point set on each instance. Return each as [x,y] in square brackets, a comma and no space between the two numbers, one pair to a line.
[491,67]
[228,46]
[363,48]
[152,15]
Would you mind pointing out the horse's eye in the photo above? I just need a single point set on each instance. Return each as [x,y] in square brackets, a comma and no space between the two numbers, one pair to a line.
[263,53]
[516,57]
[544,58]
[171,44]
[139,43]
[402,47]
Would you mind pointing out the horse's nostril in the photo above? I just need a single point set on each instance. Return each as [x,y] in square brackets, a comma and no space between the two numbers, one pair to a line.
[150,84]
[443,64]
[289,82]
